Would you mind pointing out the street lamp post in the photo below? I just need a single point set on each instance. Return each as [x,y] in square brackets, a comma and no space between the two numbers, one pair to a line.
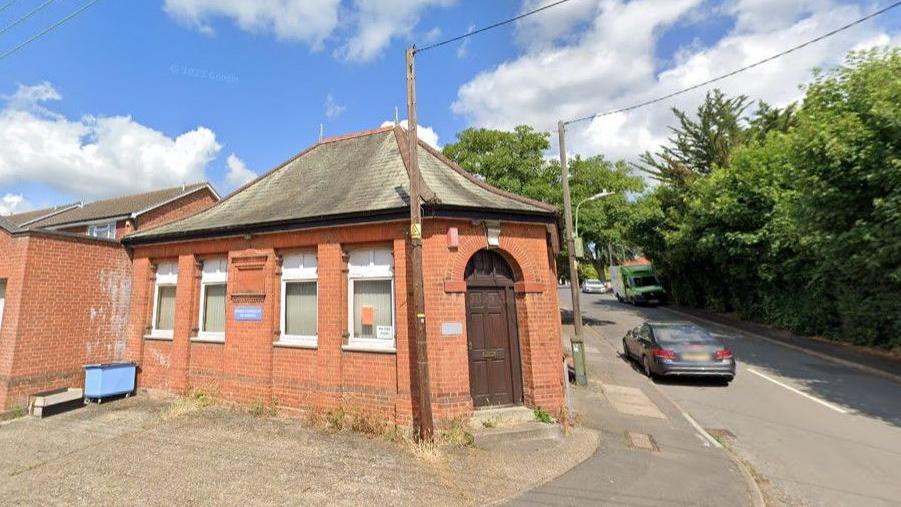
[595,197]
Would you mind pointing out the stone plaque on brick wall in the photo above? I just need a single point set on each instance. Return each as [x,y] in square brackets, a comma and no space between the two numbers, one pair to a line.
[451,328]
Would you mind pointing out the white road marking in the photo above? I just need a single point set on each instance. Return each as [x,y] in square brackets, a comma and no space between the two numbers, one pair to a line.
[796,391]
[716,443]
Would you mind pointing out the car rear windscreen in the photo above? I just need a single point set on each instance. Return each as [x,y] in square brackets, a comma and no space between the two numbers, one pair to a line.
[682,334]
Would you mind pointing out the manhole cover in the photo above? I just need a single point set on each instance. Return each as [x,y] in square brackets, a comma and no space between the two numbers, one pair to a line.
[641,441]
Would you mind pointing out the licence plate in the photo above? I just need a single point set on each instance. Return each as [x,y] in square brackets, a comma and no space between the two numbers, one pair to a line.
[696,356]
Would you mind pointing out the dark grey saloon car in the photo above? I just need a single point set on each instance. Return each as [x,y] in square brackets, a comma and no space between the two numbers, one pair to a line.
[678,348]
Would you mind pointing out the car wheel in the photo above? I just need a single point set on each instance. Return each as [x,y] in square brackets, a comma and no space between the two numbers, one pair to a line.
[647,368]
[626,353]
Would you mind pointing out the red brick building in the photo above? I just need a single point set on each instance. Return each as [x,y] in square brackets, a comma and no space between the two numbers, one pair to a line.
[65,286]
[295,289]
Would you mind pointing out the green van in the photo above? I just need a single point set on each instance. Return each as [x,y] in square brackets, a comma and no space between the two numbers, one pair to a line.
[637,284]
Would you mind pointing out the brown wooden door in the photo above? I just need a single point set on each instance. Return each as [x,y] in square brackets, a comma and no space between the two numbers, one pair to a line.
[490,358]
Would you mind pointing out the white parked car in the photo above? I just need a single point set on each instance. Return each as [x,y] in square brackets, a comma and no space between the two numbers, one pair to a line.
[594,286]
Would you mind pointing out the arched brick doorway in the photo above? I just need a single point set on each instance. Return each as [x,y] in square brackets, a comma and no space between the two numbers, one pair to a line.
[495,371]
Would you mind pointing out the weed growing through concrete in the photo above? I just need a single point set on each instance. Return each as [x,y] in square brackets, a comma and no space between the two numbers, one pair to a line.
[542,415]
[490,423]
[195,400]
[13,413]
[455,432]
[427,451]
[336,419]
[260,409]
[367,424]
[394,434]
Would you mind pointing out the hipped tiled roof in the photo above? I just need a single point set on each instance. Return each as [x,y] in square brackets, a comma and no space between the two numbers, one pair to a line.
[359,174]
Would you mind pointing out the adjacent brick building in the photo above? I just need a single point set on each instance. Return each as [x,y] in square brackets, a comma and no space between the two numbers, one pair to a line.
[295,289]
[65,285]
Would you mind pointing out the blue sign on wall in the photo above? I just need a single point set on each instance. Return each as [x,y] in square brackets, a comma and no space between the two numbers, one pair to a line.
[249,313]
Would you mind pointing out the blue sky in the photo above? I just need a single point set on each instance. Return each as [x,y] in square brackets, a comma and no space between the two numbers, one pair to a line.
[247,90]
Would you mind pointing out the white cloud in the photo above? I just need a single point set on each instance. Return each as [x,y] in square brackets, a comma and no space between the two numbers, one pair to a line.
[376,22]
[307,21]
[13,203]
[94,156]
[425,134]
[611,62]
[332,108]
[238,174]
[30,97]
[363,28]
[463,48]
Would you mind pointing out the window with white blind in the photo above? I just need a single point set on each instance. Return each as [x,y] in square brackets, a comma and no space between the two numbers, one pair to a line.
[164,300]
[213,288]
[299,299]
[105,231]
[370,290]
[2,300]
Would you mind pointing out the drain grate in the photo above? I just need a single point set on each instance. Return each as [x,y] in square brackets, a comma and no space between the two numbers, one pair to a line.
[641,441]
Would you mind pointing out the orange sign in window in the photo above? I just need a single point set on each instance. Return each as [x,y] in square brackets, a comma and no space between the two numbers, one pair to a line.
[367,316]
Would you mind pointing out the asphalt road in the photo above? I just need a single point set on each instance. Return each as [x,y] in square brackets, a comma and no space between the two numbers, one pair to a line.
[818,433]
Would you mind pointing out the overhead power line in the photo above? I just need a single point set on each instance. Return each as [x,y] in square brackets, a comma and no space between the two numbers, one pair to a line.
[34,11]
[7,5]
[48,29]
[736,71]
[490,27]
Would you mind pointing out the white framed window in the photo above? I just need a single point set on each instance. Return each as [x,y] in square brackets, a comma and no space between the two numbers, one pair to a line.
[370,292]
[164,300]
[300,299]
[105,231]
[2,299]
[213,289]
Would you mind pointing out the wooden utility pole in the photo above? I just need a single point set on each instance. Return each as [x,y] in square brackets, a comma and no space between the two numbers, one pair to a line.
[577,342]
[426,425]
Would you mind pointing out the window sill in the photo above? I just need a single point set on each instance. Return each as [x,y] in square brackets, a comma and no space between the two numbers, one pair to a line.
[365,347]
[295,345]
[158,337]
[208,339]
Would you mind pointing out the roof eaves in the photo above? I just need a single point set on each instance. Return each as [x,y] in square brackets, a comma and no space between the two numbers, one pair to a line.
[91,221]
[73,236]
[355,218]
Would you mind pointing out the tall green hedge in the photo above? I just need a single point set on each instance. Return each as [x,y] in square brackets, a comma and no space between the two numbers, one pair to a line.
[802,228]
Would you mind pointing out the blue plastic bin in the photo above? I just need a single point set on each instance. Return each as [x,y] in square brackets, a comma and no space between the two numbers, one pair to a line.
[112,379]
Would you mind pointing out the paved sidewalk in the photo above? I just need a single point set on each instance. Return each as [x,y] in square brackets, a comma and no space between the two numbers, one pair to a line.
[649,455]
[878,362]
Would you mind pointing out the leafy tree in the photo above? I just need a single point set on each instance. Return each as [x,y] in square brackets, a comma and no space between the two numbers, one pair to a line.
[801,224]
[516,161]
[513,161]
[699,144]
